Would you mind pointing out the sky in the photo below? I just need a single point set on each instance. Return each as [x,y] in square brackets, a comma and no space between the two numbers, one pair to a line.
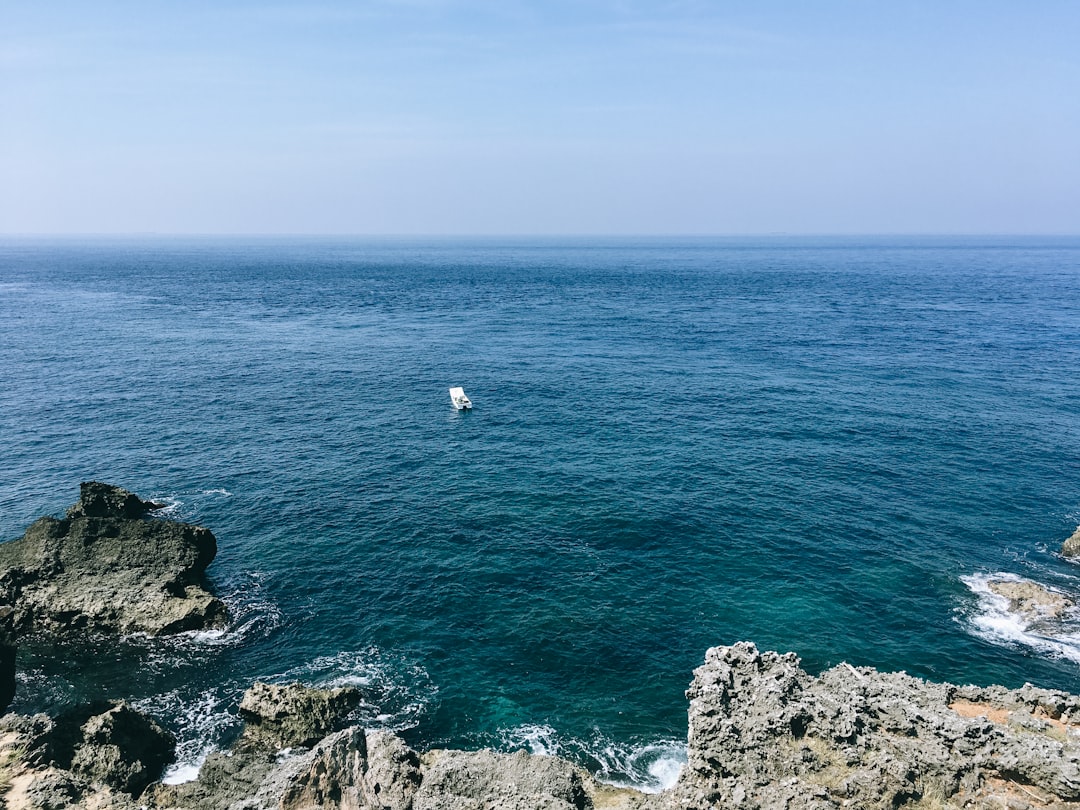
[516,117]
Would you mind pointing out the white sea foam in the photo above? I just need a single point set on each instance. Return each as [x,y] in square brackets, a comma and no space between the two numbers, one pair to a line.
[178,774]
[396,693]
[252,614]
[650,766]
[992,621]
[201,723]
[185,505]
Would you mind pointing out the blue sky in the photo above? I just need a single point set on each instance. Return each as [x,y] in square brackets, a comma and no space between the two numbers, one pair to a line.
[442,117]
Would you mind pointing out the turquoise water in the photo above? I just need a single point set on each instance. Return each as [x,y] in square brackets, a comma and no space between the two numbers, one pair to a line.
[821,445]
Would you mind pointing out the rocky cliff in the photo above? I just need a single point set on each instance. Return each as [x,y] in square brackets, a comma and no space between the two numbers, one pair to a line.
[109,567]
[763,733]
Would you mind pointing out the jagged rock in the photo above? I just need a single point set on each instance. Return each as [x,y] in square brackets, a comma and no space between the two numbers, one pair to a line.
[106,567]
[294,715]
[36,756]
[106,501]
[765,734]
[1071,547]
[485,780]
[393,771]
[112,744]
[123,749]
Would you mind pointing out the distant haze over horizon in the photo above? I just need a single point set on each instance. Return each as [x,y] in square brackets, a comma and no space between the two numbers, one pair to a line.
[518,119]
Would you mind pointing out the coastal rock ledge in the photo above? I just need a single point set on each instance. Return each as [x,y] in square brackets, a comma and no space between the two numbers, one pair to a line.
[109,567]
[763,733]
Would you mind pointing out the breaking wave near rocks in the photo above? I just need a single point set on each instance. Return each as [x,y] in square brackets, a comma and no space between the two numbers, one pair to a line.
[648,766]
[396,694]
[1012,611]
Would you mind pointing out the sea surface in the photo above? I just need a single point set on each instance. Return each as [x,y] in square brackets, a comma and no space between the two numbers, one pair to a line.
[821,445]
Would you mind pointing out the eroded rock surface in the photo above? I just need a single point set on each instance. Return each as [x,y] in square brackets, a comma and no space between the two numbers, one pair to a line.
[294,715]
[356,770]
[765,734]
[109,567]
[1071,547]
[92,757]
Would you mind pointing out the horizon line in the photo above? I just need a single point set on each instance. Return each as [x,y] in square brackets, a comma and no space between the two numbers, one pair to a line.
[528,235]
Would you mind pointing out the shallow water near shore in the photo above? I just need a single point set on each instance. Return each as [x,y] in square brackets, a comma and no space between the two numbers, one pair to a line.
[820,445]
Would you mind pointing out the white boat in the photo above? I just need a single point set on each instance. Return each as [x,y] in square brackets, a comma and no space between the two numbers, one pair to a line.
[461,402]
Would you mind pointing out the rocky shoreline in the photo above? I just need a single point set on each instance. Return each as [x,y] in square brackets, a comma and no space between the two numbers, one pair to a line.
[763,733]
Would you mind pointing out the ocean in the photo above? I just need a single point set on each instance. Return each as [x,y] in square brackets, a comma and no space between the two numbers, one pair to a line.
[823,445]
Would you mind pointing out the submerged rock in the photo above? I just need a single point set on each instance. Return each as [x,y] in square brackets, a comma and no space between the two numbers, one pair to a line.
[108,567]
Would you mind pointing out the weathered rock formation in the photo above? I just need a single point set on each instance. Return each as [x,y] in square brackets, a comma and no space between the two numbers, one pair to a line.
[357,770]
[108,567]
[765,734]
[294,715]
[1071,547]
[102,756]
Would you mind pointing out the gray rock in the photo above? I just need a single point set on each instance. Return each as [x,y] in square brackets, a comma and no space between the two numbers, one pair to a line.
[1035,603]
[764,734]
[294,715]
[485,780]
[1071,547]
[393,771]
[108,568]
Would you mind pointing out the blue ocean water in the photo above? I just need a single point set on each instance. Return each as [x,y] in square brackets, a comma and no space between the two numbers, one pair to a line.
[820,445]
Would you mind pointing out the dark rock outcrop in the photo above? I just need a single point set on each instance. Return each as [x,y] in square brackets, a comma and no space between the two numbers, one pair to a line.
[93,756]
[112,744]
[8,649]
[108,567]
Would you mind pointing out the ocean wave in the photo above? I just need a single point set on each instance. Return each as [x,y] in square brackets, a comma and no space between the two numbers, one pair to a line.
[649,766]
[201,723]
[185,505]
[396,694]
[252,615]
[993,621]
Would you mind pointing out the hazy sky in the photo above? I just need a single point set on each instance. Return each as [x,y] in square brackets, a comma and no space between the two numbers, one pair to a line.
[591,116]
